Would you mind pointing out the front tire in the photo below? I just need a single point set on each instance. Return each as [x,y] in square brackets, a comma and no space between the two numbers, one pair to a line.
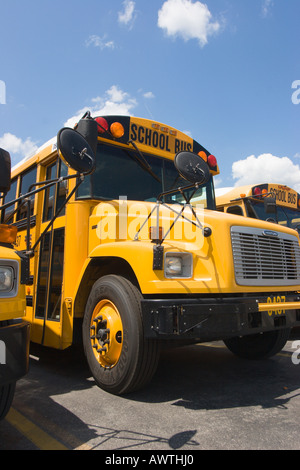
[258,346]
[120,358]
[7,393]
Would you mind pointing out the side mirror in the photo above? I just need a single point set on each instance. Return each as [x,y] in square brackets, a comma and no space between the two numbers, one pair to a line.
[270,205]
[192,167]
[5,169]
[75,151]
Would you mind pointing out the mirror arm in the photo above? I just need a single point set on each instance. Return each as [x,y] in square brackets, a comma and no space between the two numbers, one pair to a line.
[23,197]
[176,190]
[84,153]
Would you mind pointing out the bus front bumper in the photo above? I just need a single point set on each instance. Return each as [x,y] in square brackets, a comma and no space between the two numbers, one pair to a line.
[14,351]
[207,319]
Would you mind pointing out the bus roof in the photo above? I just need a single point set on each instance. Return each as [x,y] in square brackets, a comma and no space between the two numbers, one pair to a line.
[225,195]
[43,151]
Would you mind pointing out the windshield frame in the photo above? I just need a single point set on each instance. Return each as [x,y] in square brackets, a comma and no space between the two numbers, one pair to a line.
[88,189]
[287,212]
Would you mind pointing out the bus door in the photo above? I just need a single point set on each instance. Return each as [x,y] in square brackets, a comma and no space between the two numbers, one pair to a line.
[47,320]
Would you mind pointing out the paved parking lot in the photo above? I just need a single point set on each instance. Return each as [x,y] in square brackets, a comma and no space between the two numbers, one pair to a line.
[202,397]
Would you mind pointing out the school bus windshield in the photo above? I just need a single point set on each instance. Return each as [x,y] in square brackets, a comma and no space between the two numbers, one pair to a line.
[120,172]
[283,216]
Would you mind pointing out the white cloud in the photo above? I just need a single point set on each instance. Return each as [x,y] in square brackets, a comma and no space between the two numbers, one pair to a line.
[17,147]
[114,101]
[188,20]
[128,15]
[117,95]
[217,183]
[99,42]
[148,95]
[266,168]
[266,6]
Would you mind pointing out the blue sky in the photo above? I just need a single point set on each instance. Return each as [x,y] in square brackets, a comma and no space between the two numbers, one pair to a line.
[225,71]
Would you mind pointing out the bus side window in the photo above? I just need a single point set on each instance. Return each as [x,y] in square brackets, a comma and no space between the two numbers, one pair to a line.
[237,210]
[27,179]
[49,193]
[62,187]
[54,200]
[250,210]
[10,196]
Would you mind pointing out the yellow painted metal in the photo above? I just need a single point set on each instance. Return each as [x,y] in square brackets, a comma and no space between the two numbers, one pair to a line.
[280,306]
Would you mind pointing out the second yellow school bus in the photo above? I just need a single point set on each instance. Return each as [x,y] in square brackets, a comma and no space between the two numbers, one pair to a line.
[140,255]
[250,201]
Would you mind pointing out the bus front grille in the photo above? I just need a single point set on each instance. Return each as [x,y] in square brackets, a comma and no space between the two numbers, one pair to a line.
[265,257]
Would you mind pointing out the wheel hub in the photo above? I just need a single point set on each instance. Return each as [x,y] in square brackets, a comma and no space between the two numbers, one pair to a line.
[106,333]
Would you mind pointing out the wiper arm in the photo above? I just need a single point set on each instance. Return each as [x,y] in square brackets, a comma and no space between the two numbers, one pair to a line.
[143,162]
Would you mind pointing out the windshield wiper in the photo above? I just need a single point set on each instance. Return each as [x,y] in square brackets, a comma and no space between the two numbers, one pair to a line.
[142,161]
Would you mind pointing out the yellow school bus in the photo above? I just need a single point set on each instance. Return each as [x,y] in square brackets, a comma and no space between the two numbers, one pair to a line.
[15,263]
[275,203]
[139,256]
[14,331]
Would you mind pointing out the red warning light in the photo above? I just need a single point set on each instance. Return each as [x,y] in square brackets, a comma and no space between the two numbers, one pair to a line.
[257,191]
[212,161]
[102,125]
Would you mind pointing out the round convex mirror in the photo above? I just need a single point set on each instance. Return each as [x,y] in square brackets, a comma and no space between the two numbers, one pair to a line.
[75,150]
[192,167]
[5,166]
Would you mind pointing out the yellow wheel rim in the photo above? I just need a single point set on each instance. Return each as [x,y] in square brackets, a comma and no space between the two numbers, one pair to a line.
[106,333]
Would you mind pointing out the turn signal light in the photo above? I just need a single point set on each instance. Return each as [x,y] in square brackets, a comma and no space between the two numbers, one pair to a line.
[117,130]
[8,234]
[153,233]
[203,155]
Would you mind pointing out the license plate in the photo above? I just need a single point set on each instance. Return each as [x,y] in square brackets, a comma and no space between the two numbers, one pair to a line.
[274,300]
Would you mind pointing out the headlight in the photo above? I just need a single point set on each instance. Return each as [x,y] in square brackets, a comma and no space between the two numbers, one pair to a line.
[178,265]
[6,278]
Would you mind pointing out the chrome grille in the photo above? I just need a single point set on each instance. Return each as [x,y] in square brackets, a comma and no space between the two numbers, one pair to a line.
[264,257]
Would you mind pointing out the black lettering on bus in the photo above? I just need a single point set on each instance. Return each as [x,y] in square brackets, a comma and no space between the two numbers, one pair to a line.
[167,144]
[181,145]
[291,198]
[141,135]
[133,135]
[162,141]
[155,139]
[148,137]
